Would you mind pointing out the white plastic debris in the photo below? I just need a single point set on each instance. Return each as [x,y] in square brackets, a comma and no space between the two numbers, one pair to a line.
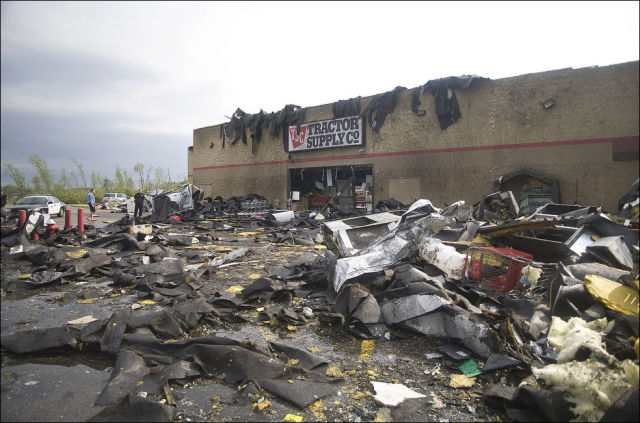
[391,394]
[82,320]
[17,249]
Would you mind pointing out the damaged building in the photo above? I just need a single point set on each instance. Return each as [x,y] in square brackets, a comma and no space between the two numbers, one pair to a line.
[517,302]
[569,136]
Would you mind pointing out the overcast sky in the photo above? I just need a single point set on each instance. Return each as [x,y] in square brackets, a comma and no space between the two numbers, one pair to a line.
[117,83]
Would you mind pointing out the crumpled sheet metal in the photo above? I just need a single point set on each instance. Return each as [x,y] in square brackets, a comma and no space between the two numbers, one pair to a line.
[387,250]
[405,308]
[452,323]
[613,251]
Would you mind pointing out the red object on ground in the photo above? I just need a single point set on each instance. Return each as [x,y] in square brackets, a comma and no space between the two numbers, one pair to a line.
[67,219]
[80,220]
[35,236]
[22,218]
[496,268]
[175,217]
[51,229]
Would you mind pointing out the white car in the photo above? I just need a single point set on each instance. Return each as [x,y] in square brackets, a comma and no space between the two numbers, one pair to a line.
[114,197]
[40,202]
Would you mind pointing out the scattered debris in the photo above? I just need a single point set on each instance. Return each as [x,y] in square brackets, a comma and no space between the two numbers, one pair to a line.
[297,313]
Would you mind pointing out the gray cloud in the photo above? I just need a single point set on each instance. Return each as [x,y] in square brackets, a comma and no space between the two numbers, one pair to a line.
[59,139]
[65,68]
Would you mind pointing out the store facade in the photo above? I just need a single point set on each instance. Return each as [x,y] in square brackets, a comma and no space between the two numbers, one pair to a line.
[578,126]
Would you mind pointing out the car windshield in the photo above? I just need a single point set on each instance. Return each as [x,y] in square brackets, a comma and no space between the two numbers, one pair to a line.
[33,200]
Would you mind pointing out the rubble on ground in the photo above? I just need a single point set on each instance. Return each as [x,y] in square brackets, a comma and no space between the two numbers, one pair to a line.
[213,309]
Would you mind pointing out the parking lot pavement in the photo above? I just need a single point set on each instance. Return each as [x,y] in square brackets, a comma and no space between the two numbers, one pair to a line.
[101,217]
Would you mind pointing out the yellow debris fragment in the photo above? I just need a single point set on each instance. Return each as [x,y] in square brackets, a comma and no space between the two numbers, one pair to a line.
[461,381]
[334,371]
[293,361]
[88,301]
[222,249]
[292,418]
[139,383]
[366,349]
[261,405]
[259,309]
[291,328]
[612,294]
[290,381]
[320,247]
[145,302]
[314,350]
[247,234]
[361,395]
[383,415]
[25,276]
[235,289]
[255,276]
[315,408]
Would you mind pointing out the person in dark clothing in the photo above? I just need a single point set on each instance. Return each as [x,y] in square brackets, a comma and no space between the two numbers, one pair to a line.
[139,200]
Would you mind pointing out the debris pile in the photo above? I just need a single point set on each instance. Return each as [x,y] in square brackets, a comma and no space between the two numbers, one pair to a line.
[217,309]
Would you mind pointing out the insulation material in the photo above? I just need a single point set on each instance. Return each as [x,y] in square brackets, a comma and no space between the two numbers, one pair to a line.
[612,294]
[570,336]
[592,386]
[443,257]
[530,276]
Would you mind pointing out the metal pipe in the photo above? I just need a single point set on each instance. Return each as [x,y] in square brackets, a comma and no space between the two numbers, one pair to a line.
[67,219]
[22,218]
[81,220]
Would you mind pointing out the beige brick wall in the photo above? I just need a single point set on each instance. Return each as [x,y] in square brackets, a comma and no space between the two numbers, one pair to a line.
[590,104]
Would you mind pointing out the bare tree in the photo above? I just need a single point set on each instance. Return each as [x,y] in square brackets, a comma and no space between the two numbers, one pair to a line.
[138,168]
[80,167]
[74,178]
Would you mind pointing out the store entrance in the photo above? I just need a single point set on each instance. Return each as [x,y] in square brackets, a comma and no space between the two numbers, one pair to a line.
[312,187]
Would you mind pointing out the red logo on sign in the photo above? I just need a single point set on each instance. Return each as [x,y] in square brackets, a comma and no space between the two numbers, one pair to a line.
[298,138]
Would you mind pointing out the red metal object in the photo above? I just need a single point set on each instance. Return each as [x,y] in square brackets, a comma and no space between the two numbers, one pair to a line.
[67,219]
[176,217]
[318,201]
[80,220]
[496,268]
[51,229]
[22,218]
[35,236]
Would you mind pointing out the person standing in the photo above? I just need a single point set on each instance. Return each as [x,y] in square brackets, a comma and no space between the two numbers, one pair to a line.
[139,200]
[91,200]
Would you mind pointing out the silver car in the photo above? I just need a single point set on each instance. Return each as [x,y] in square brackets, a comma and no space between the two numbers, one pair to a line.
[42,203]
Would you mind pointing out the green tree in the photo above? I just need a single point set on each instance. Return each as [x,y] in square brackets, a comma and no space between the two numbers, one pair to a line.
[44,173]
[95,179]
[106,183]
[64,181]
[74,178]
[80,167]
[138,169]
[19,180]
[37,184]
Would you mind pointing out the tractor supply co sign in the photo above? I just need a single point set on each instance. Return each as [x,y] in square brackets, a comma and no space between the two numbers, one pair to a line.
[343,132]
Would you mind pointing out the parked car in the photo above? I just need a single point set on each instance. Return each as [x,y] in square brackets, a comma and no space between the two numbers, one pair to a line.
[114,197]
[39,202]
